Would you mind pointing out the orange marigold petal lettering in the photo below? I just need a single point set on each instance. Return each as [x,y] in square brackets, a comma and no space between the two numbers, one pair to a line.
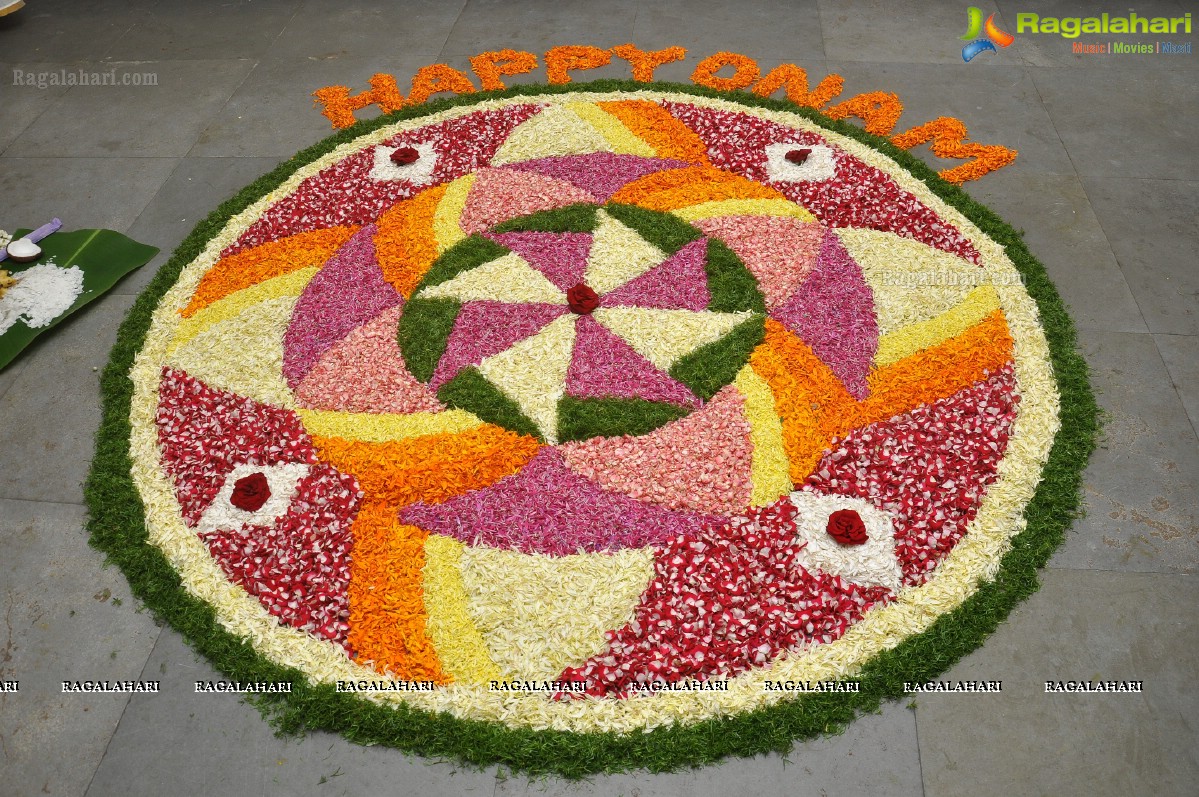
[559,61]
[948,136]
[880,110]
[644,62]
[436,78]
[491,65]
[274,259]
[795,81]
[338,105]
[746,71]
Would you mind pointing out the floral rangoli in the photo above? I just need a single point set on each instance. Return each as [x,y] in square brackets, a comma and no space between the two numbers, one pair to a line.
[588,411]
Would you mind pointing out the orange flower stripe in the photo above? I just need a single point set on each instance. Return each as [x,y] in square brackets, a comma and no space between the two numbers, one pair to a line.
[680,188]
[274,259]
[559,61]
[815,407]
[404,242]
[880,110]
[388,622]
[947,135]
[644,62]
[430,468]
[655,125]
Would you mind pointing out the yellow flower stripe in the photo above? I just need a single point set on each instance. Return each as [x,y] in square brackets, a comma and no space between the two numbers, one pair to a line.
[459,644]
[243,354]
[769,466]
[622,139]
[446,229]
[977,305]
[235,304]
[743,207]
[382,428]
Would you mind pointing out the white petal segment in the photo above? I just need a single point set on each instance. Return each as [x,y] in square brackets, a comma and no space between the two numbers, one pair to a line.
[283,481]
[243,354]
[911,281]
[555,131]
[663,336]
[618,254]
[541,614]
[508,279]
[419,172]
[533,372]
[872,563]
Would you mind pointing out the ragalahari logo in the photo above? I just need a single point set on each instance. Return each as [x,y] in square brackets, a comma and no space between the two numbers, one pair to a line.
[993,35]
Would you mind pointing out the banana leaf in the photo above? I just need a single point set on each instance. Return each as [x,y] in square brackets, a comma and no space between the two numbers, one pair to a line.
[104,256]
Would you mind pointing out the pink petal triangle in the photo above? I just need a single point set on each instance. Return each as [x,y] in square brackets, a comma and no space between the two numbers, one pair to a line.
[365,372]
[601,174]
[501,194]
[485,328]
[833,311]
[604,366]
[560,256]
[677,283]
[701,462]
[779,251]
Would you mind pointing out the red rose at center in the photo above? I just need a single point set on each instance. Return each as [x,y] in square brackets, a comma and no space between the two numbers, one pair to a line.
[582,299]
[846,527]
[250,492]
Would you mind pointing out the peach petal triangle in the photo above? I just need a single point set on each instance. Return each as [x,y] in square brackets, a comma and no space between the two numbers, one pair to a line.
[779,251]
[365,372]
[700,463]
[501,194]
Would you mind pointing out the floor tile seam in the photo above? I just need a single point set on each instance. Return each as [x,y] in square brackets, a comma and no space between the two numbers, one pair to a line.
[919,754]
[217,113]
[441,53]
[1177,391]
[80,503]
[1032,76]
[124,710]
[1112,571]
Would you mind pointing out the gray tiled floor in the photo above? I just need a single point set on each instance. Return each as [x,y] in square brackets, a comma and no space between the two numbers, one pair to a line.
[1105,189]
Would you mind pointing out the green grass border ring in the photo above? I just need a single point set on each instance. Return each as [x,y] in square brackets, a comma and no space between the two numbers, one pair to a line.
[117,525]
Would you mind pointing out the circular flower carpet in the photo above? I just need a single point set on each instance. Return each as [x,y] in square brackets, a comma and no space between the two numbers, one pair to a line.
[590,427]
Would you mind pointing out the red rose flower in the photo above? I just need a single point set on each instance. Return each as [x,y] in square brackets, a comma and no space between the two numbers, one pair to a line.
[250,492]
[798,155]
[846,527]
[404,156]
[582,299]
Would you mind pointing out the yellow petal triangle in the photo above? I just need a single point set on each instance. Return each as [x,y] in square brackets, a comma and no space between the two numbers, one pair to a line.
[555,131]
[663,336]
[509,279]
[533,372]
[618,254]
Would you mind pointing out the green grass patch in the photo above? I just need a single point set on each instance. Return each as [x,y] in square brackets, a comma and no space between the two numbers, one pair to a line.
[584,418]
[116,525]
[471,391]
[569,218]
[463,256]
[668,233]
[424,330]
[731,284]
[712,366]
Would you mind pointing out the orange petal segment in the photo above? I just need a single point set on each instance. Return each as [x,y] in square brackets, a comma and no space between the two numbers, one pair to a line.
[276,258]
[388,622]
[430,468]
[657,127]
[405,242]
[680,188]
